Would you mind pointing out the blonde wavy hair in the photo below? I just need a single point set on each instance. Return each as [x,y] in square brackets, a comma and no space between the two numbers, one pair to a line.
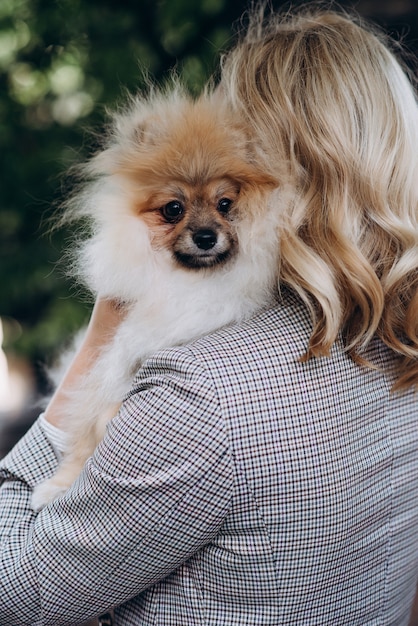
[337,117]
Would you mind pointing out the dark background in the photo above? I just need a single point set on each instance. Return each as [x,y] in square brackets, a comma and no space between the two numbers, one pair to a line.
[61,63]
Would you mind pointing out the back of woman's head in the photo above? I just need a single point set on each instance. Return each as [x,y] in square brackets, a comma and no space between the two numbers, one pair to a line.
[337,119]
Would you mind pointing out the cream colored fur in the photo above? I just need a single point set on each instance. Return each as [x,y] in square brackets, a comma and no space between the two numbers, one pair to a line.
[130,253]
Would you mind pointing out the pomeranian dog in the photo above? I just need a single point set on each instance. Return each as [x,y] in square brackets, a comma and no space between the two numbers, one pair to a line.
[182,230]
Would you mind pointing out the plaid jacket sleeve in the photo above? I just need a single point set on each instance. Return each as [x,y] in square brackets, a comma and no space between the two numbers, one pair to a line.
[157,489]
[31,461]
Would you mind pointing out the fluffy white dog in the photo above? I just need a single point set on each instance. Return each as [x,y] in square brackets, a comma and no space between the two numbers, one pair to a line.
[183,231]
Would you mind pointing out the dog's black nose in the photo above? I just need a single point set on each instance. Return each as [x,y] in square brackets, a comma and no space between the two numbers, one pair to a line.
[205,238]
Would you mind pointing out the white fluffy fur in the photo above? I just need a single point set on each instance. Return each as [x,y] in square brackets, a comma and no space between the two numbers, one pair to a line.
[170,305]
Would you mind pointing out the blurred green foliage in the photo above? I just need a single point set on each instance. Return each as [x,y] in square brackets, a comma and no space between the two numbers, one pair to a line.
[61,63]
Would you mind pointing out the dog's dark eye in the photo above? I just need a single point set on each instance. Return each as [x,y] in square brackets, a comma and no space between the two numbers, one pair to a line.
[172,211]
[224,205]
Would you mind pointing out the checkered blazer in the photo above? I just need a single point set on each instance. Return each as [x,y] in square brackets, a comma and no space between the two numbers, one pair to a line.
[237,486]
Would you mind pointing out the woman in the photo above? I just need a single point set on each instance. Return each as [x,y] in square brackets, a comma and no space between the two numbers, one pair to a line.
[266,474]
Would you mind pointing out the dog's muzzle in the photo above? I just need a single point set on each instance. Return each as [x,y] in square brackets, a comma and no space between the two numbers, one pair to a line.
[203,248]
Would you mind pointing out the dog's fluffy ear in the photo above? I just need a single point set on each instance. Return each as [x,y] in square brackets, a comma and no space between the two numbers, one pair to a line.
[146,132]
[145,119]
[139,133]
[255,177]
[126,140]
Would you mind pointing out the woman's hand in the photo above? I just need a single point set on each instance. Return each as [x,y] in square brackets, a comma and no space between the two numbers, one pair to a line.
[105,319]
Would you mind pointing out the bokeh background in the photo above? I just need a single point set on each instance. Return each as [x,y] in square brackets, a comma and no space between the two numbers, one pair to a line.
[62,62]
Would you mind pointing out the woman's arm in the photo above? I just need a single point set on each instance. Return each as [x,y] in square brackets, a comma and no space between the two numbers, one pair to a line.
[34,458]
[156,490]
[104,321]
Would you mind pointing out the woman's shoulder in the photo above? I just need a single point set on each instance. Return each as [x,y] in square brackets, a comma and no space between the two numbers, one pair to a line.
[283,327]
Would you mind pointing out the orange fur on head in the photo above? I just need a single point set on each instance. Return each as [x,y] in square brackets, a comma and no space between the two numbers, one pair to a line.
[188,171]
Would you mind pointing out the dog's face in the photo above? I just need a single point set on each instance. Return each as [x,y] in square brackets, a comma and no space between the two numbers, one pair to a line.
[194,221]
[189,175]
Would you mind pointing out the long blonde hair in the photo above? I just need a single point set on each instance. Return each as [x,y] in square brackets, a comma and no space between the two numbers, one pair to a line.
[337,118]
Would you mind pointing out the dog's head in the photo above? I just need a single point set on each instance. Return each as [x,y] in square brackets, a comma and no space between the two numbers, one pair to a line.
[190,174]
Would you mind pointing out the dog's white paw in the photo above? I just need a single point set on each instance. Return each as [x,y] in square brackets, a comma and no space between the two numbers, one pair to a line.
[46,492]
